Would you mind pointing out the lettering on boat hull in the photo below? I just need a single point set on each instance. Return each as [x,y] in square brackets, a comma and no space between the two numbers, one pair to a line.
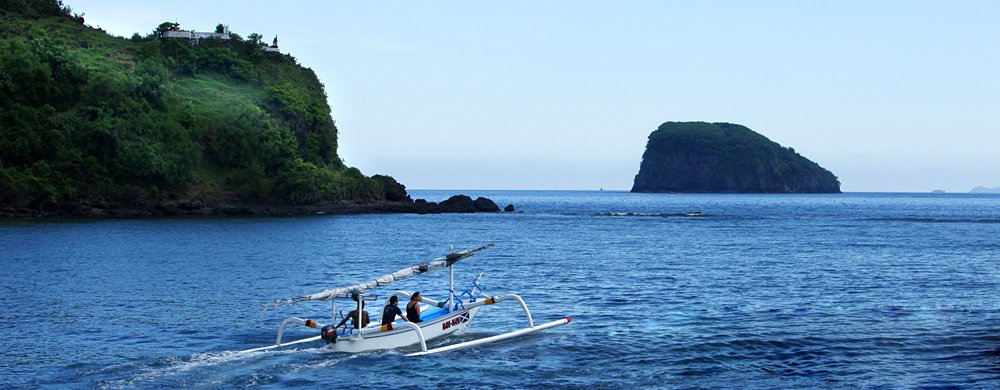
[455,321]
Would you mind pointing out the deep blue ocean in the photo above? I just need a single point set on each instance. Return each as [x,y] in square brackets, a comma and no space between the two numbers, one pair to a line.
[762,291]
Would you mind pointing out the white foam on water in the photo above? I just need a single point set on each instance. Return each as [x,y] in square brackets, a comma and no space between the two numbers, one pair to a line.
[180,365]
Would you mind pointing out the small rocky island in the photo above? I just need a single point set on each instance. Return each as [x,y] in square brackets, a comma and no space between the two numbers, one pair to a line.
[702,157]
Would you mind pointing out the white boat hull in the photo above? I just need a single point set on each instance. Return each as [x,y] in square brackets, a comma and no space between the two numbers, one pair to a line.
[401,336]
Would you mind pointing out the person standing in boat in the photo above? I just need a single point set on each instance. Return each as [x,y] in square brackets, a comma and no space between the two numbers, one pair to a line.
[353,316]
[413,307]
[390,311]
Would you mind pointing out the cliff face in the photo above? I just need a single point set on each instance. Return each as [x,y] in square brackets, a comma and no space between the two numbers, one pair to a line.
[89,118]
[701,157]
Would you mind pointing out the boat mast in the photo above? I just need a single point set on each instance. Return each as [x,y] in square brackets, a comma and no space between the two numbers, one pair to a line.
[360,325]
[451,281]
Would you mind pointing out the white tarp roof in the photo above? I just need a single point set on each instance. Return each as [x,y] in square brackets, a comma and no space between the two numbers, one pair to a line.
[387,279]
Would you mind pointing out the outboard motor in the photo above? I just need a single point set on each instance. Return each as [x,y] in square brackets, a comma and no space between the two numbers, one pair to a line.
[329,334]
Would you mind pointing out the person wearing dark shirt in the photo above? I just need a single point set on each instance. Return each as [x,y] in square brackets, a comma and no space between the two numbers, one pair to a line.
[413,307]
[391,310]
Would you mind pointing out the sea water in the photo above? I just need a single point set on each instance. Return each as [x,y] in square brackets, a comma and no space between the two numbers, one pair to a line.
[761,291]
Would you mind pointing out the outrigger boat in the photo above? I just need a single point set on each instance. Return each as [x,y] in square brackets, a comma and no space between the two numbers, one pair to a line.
[439,318]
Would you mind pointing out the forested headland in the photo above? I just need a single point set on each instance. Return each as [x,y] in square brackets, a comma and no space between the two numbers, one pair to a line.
[701,157]
[92,122]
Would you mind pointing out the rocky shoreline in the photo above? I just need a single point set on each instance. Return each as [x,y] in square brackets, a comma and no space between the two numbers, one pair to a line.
[238,207]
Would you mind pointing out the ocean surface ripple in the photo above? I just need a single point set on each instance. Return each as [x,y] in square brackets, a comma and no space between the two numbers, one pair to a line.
[665,291]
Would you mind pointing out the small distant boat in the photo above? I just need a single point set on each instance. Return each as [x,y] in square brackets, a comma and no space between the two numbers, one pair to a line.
[438,318]
[694,214]
[937,192]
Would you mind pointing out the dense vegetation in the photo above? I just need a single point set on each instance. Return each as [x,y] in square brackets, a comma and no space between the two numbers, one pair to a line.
[87,117]
[728,158]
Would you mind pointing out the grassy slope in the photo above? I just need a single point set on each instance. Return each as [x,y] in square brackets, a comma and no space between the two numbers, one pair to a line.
[205,96]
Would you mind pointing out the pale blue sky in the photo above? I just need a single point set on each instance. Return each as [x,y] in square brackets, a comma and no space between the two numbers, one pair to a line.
[889,95]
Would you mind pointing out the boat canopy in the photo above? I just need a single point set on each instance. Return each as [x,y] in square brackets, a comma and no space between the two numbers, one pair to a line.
[387,279]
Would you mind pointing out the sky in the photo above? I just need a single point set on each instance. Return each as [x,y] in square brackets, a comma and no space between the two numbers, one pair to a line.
[896,96]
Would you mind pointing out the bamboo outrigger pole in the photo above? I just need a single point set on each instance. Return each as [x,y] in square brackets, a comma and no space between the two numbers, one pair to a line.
[491,339]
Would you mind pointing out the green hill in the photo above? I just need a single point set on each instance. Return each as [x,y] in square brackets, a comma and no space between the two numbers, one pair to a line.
[705,157]
[88,118]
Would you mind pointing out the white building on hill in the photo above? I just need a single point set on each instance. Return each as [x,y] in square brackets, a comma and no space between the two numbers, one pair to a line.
[274,46]
[195,36]
[176,32]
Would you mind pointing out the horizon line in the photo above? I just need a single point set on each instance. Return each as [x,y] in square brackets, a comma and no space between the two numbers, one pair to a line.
[706,193]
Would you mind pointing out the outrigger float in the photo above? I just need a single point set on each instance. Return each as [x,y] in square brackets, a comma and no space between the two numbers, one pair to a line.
[439,318]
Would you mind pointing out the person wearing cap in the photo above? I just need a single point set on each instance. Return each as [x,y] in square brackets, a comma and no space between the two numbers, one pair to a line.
[390,311]
[413,307]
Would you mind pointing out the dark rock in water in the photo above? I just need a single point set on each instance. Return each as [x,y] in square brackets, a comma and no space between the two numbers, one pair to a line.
[486,206]
[458,204]
[706,157]
[394,191]
[465,204]
[509,208]
[422,206]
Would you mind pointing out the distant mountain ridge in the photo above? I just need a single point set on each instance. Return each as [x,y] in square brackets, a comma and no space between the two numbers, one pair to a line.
[985,190]
[702,157]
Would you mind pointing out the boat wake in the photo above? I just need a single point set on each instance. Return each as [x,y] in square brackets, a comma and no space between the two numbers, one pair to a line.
[248,369]
[172,366]
[937,220]
[207,367]
[658,215]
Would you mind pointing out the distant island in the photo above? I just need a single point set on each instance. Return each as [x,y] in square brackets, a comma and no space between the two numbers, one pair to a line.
[702,157]
[172,122]
[985,190]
